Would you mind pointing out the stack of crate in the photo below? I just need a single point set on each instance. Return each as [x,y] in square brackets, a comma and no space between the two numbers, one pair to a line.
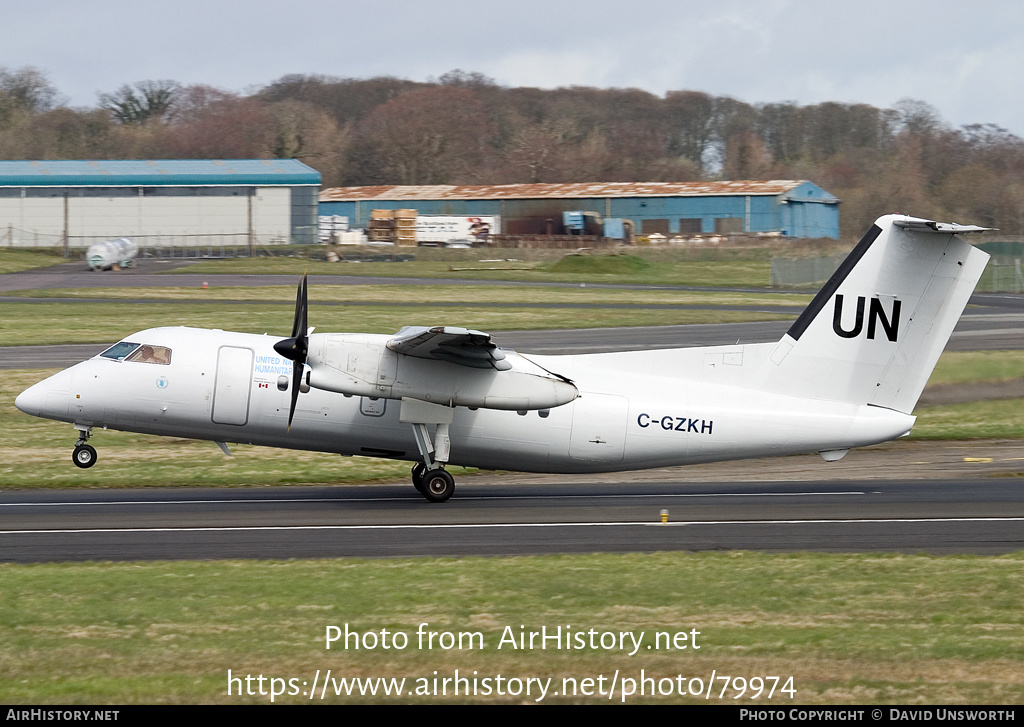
[382,226]
[405,227]
[331,227]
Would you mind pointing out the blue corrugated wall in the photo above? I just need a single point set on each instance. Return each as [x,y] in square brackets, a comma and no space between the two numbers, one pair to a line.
[806,211]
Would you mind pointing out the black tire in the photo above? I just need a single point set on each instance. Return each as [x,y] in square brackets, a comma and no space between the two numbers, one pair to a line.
[84,456]
[438,485]
[417,478]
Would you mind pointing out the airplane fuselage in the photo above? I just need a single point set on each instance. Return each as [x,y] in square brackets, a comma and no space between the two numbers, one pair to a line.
[634,410]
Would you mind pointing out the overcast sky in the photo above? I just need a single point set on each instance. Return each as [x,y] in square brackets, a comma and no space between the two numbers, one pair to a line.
[966,59]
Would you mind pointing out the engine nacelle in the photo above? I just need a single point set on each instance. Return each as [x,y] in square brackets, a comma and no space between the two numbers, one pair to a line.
[363,365]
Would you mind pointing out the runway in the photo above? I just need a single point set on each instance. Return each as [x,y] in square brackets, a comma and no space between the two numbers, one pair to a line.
[938,517]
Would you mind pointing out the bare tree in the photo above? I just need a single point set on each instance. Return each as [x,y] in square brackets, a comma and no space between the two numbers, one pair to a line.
[347,99]
[438,135]
[782,126]
[228,128]
[746,157]
[145,101]
[692,116]
[29,90]
[465,79]
[309,133]
[194,102]
[918,117]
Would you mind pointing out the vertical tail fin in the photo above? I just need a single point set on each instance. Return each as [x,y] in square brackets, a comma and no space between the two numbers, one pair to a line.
[873,334]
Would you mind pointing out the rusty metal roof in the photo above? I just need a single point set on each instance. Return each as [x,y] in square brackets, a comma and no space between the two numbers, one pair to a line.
[549,191]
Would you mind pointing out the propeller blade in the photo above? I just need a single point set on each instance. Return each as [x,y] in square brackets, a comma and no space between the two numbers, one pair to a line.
[301,303]
[297,347]
[296,382]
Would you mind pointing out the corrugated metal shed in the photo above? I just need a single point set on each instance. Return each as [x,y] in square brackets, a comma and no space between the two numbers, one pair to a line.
[555,191]
[193,201]
[796,208]
[160,172]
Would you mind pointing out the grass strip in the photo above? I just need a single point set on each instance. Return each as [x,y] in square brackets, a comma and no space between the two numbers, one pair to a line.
[464,294]
[742,272]
[851,629]
[91,322]
[15,261]
[994,419]
[961,367]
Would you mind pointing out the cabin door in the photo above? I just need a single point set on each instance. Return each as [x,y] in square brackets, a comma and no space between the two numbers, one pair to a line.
[231,389]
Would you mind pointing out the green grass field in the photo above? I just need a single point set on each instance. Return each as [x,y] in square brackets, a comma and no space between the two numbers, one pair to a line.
[92,322]
[848,629]
[464,295]
[995,419]
[750,270]
[740,267]
[13,261]
[960,367]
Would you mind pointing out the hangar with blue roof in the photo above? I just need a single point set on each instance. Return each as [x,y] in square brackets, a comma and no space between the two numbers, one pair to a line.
[197,201]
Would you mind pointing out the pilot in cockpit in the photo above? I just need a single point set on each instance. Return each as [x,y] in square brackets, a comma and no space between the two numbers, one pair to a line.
[152,354]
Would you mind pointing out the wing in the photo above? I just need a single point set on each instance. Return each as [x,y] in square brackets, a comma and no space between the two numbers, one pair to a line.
[447,343]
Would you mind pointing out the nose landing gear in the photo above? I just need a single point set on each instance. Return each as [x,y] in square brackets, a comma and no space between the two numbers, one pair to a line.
[84,455]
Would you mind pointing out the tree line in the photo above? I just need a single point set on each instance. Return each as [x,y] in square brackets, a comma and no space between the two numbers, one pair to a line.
[463,128]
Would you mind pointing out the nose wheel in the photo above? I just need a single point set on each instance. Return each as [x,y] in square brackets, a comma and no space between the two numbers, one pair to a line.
[84,456]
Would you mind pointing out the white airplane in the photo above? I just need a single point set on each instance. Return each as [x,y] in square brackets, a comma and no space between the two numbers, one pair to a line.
[848,373]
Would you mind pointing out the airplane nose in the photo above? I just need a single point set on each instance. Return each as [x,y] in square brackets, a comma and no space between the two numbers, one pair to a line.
[32,400]
[50,398]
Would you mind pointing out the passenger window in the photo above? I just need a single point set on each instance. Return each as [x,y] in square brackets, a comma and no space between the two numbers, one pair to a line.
[151,354]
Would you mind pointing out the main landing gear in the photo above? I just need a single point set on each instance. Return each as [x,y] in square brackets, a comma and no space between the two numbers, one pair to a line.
[429,476]
[436,484]
[84,455]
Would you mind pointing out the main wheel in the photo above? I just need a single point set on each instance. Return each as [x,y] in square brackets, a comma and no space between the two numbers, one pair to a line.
[438,485]
[418,471]
[84,456]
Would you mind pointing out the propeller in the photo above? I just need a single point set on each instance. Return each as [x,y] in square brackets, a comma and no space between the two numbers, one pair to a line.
[296,347]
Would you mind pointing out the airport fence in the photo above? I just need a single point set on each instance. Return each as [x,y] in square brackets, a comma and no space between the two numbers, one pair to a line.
[803,272]
[1003,274]
[222,245]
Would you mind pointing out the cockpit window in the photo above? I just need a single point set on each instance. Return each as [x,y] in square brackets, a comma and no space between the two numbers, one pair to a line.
[119,350]
[139,353]
[151,354]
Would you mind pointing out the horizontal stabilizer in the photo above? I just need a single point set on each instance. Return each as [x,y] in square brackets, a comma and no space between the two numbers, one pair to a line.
[910,223]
